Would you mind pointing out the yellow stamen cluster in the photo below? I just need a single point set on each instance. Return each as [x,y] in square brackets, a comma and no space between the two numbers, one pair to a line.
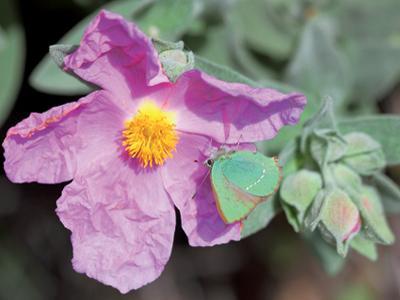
[150,135]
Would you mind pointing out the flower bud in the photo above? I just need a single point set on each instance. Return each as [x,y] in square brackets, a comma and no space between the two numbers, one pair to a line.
[175,62]
[375,224]
[299,190]
[346,178]
[340,218]
[364,154]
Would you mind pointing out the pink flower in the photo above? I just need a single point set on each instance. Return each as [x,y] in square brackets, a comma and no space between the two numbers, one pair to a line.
[134,149]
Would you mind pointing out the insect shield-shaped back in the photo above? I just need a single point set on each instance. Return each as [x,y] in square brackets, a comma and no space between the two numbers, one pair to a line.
[241,180]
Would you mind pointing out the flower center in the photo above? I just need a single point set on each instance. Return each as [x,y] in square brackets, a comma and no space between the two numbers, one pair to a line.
[150,135]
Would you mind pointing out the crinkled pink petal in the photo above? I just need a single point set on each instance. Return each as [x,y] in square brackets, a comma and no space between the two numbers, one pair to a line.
[115,55]
[51,147]
[122,223]
[186,175]
[229,112]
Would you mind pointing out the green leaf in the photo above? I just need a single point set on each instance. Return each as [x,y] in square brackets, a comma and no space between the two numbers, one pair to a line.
[12,57]
[221,72]
[365,247]
[48,78]
[389,191]
[244,60]
[382,128]
[166,19]
[212,46]
[375,224]
[224,73]
[264,27]
[299,190]
[260,217]
[370,32]
[317,66]
[290,158]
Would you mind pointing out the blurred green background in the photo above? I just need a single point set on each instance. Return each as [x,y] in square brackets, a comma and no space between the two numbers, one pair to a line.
[349,50]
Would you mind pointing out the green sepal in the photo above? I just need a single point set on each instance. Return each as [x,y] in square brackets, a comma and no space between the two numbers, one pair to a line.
[364,247]
[327,146]
[162,45]
[175,62]
[324,117]
[314,213]
[59,52]
[291,216]
[346,178]
[374,220]
[299,190]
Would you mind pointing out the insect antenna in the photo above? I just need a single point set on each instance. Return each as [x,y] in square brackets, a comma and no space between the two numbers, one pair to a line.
[238,142]
[210,161]
[202,182]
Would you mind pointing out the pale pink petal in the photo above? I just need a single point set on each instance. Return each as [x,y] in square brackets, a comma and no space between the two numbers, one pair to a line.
[115,55]
[231,111]
[51,147]
[122,223]
[186,175]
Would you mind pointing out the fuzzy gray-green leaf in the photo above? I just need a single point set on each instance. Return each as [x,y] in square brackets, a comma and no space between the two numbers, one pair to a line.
[260,217]
[382,128]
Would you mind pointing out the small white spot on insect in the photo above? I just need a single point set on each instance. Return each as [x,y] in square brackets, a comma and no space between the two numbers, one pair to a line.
[257,181]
